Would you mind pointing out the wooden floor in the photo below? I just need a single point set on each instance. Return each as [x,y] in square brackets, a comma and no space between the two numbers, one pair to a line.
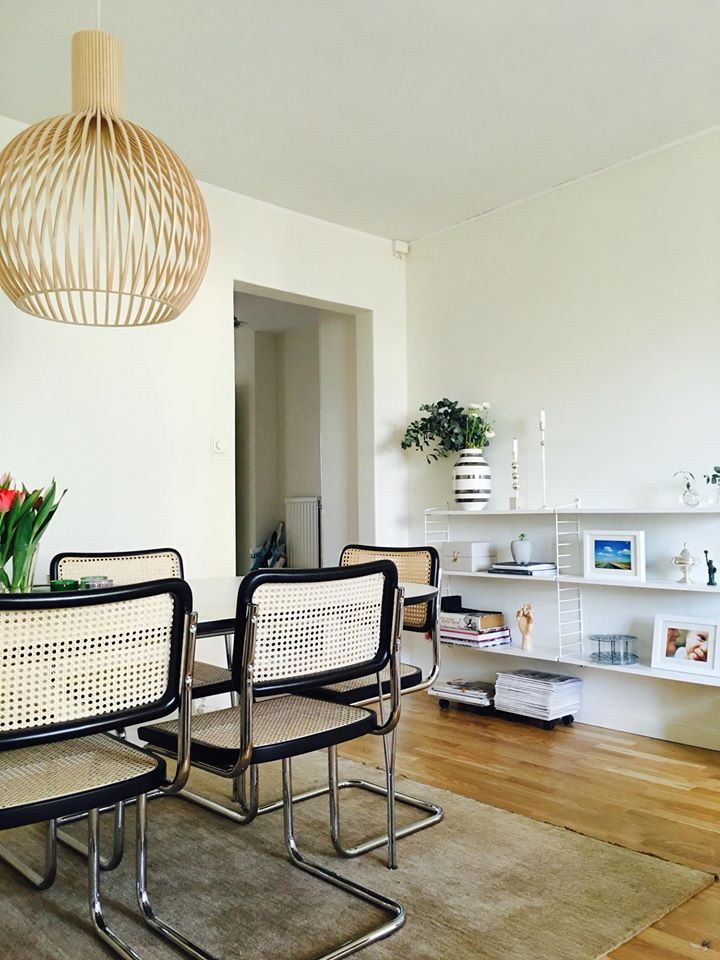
[656,797]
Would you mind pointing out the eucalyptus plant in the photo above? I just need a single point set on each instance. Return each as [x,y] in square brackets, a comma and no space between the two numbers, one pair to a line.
[447,428]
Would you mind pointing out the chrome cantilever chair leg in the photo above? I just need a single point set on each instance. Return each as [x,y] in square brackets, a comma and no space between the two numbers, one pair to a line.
[118,847]
[380,932]
[95,903]
[392,907]
[435,812]
[247,805]
[97,916]
[143,898]
[41,881]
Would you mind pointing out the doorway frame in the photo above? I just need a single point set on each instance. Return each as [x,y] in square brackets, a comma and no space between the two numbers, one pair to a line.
[365,394]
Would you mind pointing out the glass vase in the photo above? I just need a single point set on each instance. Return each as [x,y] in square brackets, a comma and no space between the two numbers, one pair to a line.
[21,580]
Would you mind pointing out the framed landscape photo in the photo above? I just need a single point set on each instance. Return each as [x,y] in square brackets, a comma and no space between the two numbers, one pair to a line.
[685,644]
[614,555]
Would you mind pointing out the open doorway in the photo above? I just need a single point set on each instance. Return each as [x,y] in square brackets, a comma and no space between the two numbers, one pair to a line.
[296,419]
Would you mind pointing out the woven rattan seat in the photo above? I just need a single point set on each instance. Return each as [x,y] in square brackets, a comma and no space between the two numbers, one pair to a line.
[282,727]
[209,679]
[366,688]
[54,779]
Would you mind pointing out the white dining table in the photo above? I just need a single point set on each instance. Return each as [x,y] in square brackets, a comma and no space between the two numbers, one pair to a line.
[215,601]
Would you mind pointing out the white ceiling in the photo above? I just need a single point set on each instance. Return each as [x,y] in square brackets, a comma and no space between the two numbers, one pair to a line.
[398,117]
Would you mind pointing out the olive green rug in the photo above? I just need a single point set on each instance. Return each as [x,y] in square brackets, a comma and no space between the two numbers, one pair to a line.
[485,883]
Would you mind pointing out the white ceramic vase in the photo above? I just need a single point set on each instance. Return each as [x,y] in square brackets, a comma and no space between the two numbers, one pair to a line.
[472,480]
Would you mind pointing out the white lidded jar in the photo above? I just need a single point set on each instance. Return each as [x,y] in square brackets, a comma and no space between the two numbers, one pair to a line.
[472,480]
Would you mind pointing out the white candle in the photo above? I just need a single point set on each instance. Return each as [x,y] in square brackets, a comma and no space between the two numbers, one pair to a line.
[515,449]
[542,419]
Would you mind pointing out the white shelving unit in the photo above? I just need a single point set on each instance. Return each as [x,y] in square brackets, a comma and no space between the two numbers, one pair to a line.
[566,524]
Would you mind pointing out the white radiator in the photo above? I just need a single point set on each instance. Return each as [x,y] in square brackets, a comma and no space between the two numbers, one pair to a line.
[302,531]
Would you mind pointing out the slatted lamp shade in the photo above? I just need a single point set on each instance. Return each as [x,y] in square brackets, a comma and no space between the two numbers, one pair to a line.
[100,222]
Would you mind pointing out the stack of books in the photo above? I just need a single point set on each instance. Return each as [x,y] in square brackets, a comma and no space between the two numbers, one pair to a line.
[532,693]
[524,569]
[476,692]
[473,628]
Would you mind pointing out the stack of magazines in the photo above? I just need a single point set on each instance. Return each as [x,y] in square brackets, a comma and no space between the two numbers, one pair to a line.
[532,693]
[473,628]
[476,692]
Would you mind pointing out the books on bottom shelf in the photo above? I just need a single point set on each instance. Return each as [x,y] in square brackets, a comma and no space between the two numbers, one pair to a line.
[491,637]
[534,693]
[477,692]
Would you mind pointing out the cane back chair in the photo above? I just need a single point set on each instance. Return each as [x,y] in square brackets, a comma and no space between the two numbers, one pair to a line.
[414,565]
[297,630]
[137,566]
[73,667]
[123,568]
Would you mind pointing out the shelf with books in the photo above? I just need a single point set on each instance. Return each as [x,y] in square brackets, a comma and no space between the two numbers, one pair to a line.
[546,578]
[580,608]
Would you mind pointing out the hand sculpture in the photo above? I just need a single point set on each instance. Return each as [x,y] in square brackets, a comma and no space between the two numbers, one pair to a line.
[525,621]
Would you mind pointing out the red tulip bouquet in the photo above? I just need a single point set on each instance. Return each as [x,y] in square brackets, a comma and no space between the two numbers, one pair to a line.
[24,516]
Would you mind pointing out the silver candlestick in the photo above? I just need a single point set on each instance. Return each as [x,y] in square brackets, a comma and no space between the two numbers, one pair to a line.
[515,503]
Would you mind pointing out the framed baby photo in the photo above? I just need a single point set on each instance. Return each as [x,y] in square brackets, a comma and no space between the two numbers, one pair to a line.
[685,645]
[617,555]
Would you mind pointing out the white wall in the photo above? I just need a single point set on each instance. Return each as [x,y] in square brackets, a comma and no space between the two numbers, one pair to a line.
[598,302]
[266,475]
[339,434]
[246,345]
[123,418]
[299,419]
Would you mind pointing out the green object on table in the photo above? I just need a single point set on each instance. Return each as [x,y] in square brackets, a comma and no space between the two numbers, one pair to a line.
[60,586]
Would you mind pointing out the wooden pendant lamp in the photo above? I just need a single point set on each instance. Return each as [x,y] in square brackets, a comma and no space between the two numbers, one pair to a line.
[100,222]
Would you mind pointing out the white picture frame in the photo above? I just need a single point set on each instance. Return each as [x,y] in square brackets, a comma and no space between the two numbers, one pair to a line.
[675,635]
[614,555]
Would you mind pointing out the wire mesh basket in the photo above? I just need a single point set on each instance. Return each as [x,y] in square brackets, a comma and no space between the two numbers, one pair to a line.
[615,648]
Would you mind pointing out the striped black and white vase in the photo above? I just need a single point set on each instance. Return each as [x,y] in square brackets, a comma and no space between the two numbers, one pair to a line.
[472,480]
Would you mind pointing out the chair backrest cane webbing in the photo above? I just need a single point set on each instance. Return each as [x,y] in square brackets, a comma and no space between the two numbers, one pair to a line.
[316,626]
[124,567]
[415,565]
[87,661]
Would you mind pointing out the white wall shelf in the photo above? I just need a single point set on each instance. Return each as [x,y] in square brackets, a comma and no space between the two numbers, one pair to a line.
[634,585]
[584,511]
[643,670]
[591,581]
[508,650]
[562,534]
[551,656]
[550,578]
